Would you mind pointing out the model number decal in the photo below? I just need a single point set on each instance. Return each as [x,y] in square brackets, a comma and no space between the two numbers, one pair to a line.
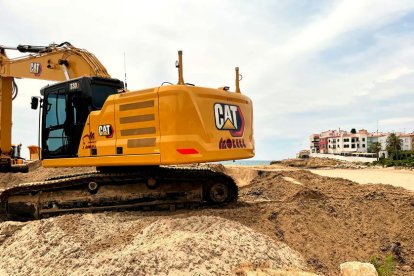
[74,86]
[106,130]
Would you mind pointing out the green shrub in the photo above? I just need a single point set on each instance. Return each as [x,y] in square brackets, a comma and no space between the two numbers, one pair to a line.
[387,162]
[386,267]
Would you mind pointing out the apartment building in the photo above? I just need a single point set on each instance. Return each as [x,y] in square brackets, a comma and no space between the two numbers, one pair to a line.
[323,144]
[347,143]
[323,140]
[342,142]
[383,141]
[407,140]
[315,143]
[373,138]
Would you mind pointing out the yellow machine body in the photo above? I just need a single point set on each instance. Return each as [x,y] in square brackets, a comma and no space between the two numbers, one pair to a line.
[91,119]
[172,124]
[175,124]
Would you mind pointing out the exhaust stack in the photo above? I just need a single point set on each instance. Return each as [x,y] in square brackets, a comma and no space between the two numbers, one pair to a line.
[238,79]
[179,65]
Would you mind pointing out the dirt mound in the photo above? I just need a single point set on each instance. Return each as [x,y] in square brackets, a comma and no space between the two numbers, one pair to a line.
[310,163]
[329,221]
[242,176]
[317,163]
[332,220]
[124,243]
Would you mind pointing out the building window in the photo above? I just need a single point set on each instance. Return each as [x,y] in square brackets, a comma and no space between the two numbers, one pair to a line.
[353,146]
[337,140]
[363,139]
[346,146]
[363,145]
[353,140]
[346,140]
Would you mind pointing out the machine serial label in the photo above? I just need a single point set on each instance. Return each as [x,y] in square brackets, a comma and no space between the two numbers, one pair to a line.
[229,117]
[105,130]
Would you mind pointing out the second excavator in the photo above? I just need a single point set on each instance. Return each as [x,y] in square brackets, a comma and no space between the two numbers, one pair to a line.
[90,119]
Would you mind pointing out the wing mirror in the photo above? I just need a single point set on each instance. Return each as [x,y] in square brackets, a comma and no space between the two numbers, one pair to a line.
[35,103]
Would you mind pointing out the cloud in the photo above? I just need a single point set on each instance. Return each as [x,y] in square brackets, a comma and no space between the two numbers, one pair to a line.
[398,124]
[307,65]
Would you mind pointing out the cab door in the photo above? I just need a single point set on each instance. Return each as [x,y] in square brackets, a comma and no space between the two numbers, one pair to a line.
[56,125]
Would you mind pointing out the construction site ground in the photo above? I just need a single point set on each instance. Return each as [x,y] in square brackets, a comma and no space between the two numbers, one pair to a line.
[286,218]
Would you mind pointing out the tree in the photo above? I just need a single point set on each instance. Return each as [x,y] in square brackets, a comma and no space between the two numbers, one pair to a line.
[375,148]
[394,145]
[353,131]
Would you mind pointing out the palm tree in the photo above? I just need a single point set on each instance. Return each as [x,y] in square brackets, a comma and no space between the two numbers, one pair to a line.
[394,145]
[375,148]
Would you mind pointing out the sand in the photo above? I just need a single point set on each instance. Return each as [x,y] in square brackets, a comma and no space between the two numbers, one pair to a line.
[130,244]
[331,220]
[399,178]
[320,221]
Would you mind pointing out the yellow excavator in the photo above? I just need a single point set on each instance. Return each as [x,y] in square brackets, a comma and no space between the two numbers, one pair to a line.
[91,119]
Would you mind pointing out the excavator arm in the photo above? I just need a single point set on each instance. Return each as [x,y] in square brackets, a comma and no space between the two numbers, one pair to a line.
[53,62]
[56,62]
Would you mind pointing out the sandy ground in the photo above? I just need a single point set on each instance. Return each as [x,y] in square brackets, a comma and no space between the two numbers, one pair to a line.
[40,174]
[319,221]
[400,178]
[132,244]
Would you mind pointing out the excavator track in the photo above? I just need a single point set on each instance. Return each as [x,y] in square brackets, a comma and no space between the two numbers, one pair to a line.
[137,188]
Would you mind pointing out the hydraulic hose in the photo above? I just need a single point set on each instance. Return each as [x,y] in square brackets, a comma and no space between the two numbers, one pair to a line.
[15,90]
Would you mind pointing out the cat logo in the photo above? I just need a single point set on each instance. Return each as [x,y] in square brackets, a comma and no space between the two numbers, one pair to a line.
[106,130]
[35,68]
[229,117]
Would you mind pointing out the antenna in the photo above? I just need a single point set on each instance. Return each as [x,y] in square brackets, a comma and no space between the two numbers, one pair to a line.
[125,83]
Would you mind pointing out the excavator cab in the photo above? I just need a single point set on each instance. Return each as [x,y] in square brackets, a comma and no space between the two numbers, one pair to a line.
[66,107]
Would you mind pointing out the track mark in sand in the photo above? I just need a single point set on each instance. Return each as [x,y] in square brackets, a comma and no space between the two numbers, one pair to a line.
[292,180]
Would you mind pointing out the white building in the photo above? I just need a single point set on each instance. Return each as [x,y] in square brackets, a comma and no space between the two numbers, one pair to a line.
[407,140]
[314,143]
[345,143]
[383,141]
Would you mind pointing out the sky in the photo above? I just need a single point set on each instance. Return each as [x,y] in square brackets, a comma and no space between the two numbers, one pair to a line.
[308,66]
